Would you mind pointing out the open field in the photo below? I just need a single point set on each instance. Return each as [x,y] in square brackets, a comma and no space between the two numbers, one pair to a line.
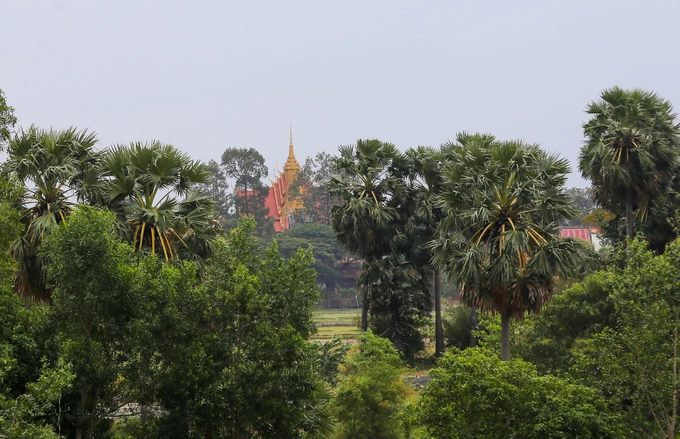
[331,322]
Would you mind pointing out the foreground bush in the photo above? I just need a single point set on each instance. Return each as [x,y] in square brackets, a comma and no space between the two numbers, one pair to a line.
[370,390]
[473,394]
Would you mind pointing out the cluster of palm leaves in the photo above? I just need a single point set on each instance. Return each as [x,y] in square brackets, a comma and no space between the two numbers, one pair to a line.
[499,237]
[53,167]
[484,212]
[376,221]
[148,185]
[632,157]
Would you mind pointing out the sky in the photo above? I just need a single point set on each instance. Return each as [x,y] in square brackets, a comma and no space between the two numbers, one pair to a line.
[209,75]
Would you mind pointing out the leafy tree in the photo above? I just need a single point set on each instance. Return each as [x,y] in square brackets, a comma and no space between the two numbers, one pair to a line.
[29,385]
[217,188]
[370,390]
[7,121]
[21,417]
[583,203]
[631,158]
[634,361]
[312,184]
[369,176]
[56,168]
[327,252]
[117,319]
[556,339]
[251,373]
[474,394]
[151,188]
[247,168]
[499,238]
[457,328]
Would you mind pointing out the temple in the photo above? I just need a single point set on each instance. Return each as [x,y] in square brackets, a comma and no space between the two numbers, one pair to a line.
[279,201]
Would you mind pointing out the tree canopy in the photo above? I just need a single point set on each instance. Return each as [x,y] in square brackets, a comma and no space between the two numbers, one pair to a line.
[499,238]
[631,156]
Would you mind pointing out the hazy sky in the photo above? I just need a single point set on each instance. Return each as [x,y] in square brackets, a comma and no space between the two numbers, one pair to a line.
[207,75]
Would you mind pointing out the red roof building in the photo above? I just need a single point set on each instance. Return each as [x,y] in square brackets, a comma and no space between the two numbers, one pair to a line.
[586,234]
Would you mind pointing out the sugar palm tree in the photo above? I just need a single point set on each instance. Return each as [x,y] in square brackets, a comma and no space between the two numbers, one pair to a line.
[499,237]
[631,153]
[367,176]
[57,169]
[150,186]
[426,180]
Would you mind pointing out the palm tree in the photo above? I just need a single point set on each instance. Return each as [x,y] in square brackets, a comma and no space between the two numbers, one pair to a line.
[57,168]
[499,237]
[368,176]
[631,152]
[150,186]
[427,181]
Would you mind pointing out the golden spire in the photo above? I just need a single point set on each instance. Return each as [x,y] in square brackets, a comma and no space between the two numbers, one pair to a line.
[292,163]
[290,147]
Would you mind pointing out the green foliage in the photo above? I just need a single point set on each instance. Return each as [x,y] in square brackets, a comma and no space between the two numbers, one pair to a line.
[331,354]
[118,318]
[370,391]
[557,338]
[29,385]
[368,181]
[325,248]
[376,220]
[473,394]
[457,328]
[634,361]
[583,203]
[218,189]
[7,121]
[500,239]
[23,417]
[248,371]
[10,228]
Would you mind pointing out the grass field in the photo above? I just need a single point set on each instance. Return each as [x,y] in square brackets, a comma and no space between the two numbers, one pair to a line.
[342,322]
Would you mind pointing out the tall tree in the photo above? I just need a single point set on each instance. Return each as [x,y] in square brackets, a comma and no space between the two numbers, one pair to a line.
[120,319]
[367,177]
[218,189]
[427,182]
[7,121]
[251,373]
[500,237]
[247,168]
[56,168]
[631,155]
[151,188]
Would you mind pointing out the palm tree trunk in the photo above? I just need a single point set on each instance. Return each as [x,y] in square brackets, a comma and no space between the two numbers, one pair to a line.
[505,337]
[438,326]
[364,309]
[629,213]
